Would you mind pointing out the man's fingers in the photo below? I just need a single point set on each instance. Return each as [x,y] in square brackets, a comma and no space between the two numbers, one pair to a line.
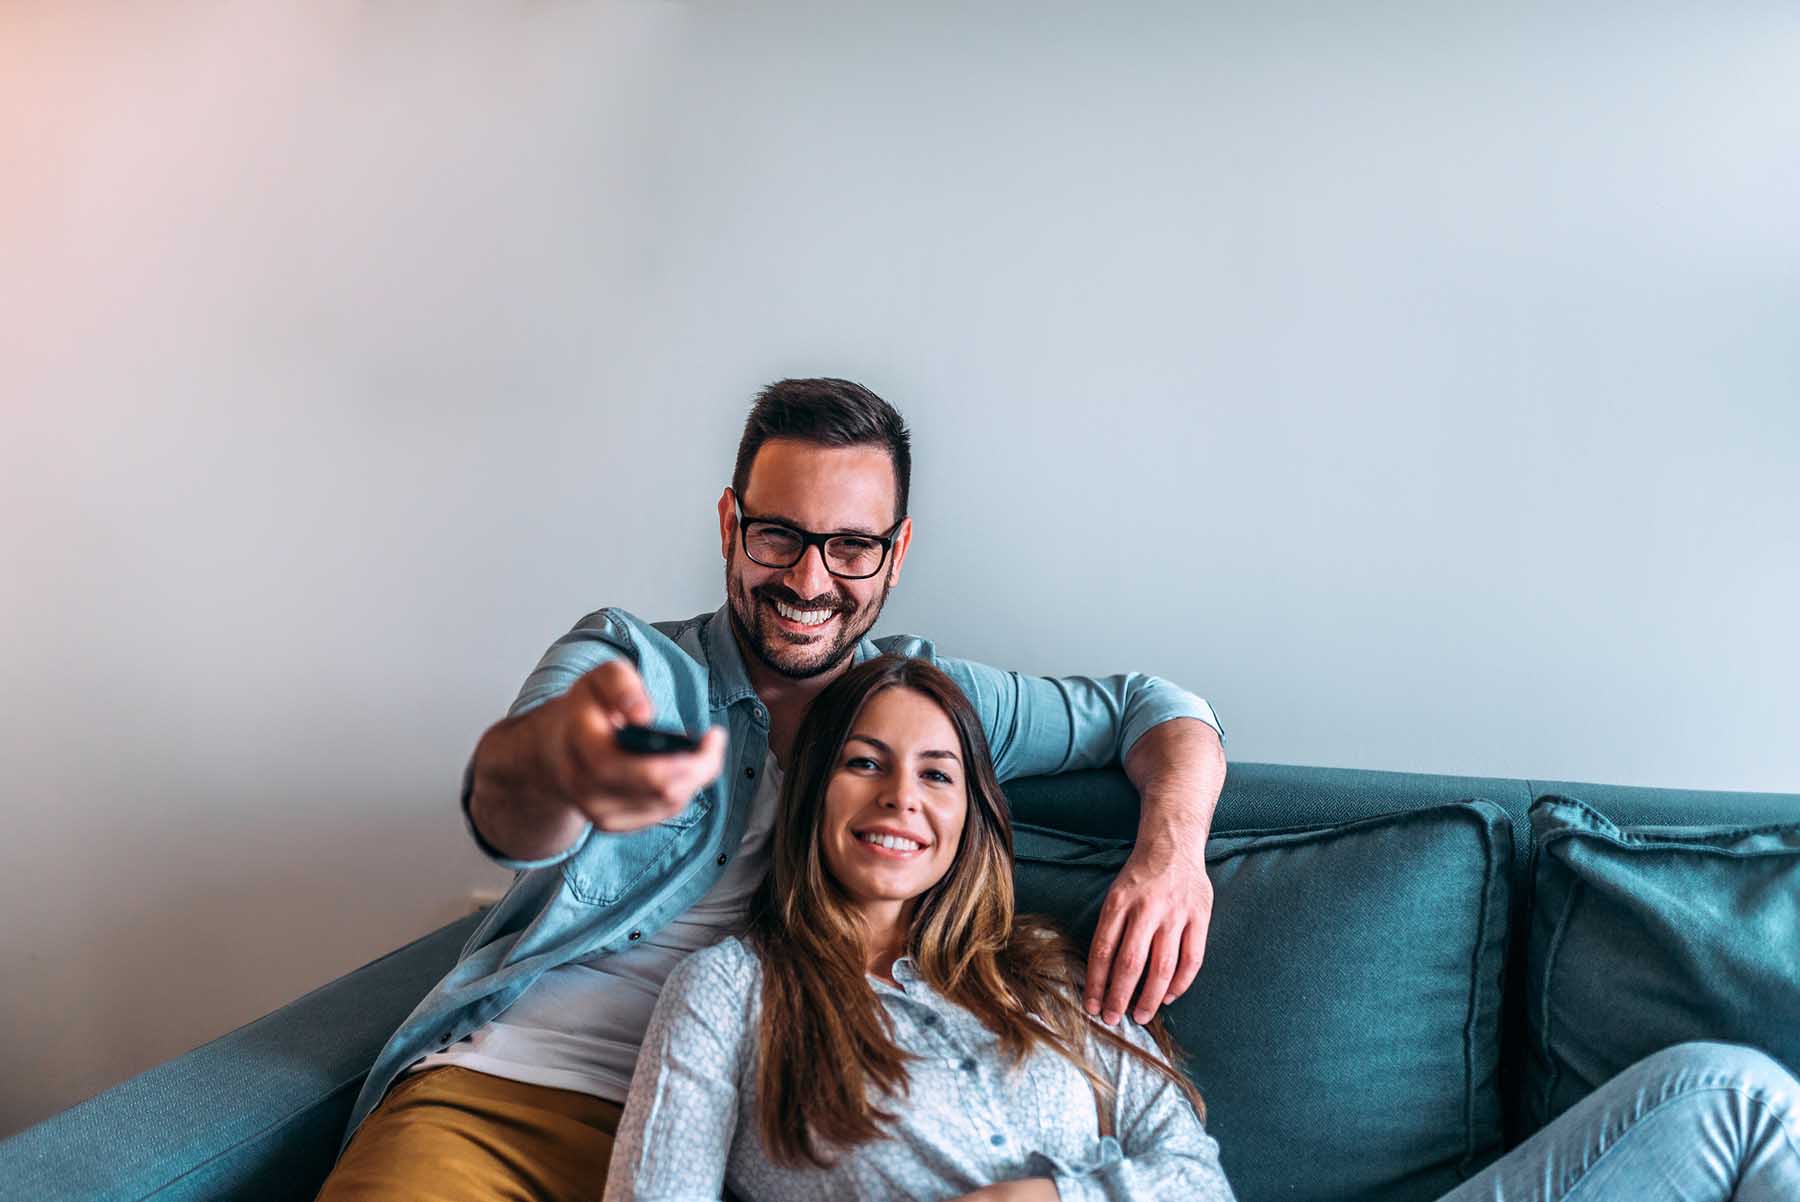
[1127,965]
[711,752]
[679,775]
[617,688]
[1100,952]
[638,790]
[1165,949]
[1193,952]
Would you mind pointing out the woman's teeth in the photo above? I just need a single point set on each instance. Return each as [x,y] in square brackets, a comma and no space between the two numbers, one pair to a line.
[806,617]
[891,842]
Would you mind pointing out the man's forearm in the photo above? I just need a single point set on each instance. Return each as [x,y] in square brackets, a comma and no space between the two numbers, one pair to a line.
[1178,767]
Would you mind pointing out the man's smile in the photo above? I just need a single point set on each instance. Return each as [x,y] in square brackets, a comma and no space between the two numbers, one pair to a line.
[804,617]
[798,621]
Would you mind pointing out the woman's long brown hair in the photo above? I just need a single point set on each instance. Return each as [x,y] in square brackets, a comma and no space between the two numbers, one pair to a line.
[827,1051]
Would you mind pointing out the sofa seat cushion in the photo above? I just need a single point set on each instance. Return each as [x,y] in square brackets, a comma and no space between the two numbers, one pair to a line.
[1344,1029]
[1642,937]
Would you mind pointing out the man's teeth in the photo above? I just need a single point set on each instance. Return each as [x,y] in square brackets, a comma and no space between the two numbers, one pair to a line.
[806,617]
[891,842]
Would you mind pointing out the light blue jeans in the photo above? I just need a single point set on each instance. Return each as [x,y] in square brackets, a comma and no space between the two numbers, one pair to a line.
[1699,1122]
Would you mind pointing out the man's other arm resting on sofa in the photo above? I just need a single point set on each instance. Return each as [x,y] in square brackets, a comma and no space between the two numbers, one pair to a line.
[1153,924]
[1155,917]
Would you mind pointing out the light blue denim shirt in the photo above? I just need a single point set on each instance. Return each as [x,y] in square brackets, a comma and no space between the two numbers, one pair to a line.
[609,890]
[969,1118]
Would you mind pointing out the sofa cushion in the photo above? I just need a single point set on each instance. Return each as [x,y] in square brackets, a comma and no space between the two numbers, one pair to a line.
[1344,1029]
[1646,936]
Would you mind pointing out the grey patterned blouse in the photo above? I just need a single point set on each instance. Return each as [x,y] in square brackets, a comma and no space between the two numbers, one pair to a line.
[969,1120]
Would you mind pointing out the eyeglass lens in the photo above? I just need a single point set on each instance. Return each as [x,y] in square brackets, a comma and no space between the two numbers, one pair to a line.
[845,554]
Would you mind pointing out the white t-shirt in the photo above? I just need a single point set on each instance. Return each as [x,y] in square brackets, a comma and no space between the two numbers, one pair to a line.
[580,1025]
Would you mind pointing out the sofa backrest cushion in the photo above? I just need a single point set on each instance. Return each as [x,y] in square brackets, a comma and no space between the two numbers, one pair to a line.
[1344,1029]
[1642,937]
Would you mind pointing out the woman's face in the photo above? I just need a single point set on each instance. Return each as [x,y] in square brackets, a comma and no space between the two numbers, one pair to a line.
[896,801]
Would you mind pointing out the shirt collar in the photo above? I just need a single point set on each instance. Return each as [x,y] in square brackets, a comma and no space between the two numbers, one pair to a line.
[726,675]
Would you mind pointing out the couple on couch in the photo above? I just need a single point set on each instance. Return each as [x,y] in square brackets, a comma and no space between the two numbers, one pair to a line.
[856,1012]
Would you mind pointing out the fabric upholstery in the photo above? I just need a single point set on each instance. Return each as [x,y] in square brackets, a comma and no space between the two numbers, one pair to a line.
[1345,1027]
[257,1113]
[1646,936]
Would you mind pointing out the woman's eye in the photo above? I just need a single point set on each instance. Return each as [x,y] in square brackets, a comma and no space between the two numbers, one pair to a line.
[862,762]
[942,778]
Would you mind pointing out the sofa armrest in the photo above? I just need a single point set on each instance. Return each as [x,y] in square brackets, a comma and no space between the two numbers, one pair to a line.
[257,1113]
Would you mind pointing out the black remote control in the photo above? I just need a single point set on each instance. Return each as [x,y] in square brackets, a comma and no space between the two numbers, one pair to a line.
[648,740]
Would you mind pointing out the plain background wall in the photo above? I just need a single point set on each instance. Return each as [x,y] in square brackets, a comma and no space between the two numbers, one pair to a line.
[1417,381]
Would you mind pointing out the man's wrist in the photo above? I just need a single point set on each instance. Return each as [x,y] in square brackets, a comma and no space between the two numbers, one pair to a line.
[1166,825]
[511,821]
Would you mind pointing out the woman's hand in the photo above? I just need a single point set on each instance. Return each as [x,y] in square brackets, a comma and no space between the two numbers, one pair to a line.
[1032,1189]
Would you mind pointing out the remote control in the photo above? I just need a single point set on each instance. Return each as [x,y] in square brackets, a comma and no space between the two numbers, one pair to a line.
[648,740]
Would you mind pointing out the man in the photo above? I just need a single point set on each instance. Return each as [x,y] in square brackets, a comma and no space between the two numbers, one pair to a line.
[506,1081]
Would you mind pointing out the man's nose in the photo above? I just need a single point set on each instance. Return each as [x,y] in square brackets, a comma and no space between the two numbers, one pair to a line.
[809,578]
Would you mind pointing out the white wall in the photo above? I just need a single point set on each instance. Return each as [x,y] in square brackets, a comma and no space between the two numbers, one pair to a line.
[1420,385]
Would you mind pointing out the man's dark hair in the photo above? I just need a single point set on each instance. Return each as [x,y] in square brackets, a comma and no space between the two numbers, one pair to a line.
[832,413]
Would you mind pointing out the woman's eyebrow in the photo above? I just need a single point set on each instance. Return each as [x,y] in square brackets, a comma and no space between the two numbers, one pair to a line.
[877,744]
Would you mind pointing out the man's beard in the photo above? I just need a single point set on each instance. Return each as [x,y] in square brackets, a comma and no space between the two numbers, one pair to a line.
[799,661]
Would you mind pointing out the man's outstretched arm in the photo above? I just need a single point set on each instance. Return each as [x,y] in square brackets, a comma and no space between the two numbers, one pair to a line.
[1154,921]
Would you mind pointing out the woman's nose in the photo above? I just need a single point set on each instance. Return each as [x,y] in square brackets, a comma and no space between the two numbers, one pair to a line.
[903,796]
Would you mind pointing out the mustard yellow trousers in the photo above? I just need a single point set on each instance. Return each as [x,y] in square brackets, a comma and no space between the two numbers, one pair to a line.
[454,1135]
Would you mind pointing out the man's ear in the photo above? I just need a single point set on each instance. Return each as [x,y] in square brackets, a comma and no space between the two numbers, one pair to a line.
[727,524]
[902,540]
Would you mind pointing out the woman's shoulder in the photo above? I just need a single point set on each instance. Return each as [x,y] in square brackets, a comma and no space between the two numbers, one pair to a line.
[730,967]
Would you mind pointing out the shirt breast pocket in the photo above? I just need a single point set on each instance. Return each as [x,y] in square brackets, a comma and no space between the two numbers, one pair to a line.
[612,865]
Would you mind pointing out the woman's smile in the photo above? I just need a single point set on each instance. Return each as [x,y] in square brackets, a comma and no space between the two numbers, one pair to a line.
[887,841]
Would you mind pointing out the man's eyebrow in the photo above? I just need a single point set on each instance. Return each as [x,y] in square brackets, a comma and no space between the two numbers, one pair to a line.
[877,744]
[785,520]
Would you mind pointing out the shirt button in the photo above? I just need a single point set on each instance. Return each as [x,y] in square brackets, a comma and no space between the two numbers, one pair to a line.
[723,857]
[996,1140]
[635,935]
[750,773]
[928,1020]
[967,1065]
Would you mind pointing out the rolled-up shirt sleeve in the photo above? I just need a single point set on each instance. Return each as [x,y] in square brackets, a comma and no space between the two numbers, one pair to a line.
[675,1136]
[1038,725]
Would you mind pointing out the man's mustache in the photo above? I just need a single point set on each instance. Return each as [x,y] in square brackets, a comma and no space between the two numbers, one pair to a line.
[831,601]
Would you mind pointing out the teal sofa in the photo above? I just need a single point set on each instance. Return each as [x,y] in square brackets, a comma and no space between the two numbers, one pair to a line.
[1407,974]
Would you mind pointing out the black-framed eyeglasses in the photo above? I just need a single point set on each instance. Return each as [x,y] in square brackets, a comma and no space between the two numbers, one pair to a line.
[778,545]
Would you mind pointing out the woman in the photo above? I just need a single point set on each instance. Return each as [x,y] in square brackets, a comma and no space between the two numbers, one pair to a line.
[888,1029]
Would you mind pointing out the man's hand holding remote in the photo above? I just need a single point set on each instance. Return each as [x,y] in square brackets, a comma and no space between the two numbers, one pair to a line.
[544,775]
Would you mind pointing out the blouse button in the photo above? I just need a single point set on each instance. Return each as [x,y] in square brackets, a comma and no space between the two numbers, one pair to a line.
[996,1140]
[968,1064]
